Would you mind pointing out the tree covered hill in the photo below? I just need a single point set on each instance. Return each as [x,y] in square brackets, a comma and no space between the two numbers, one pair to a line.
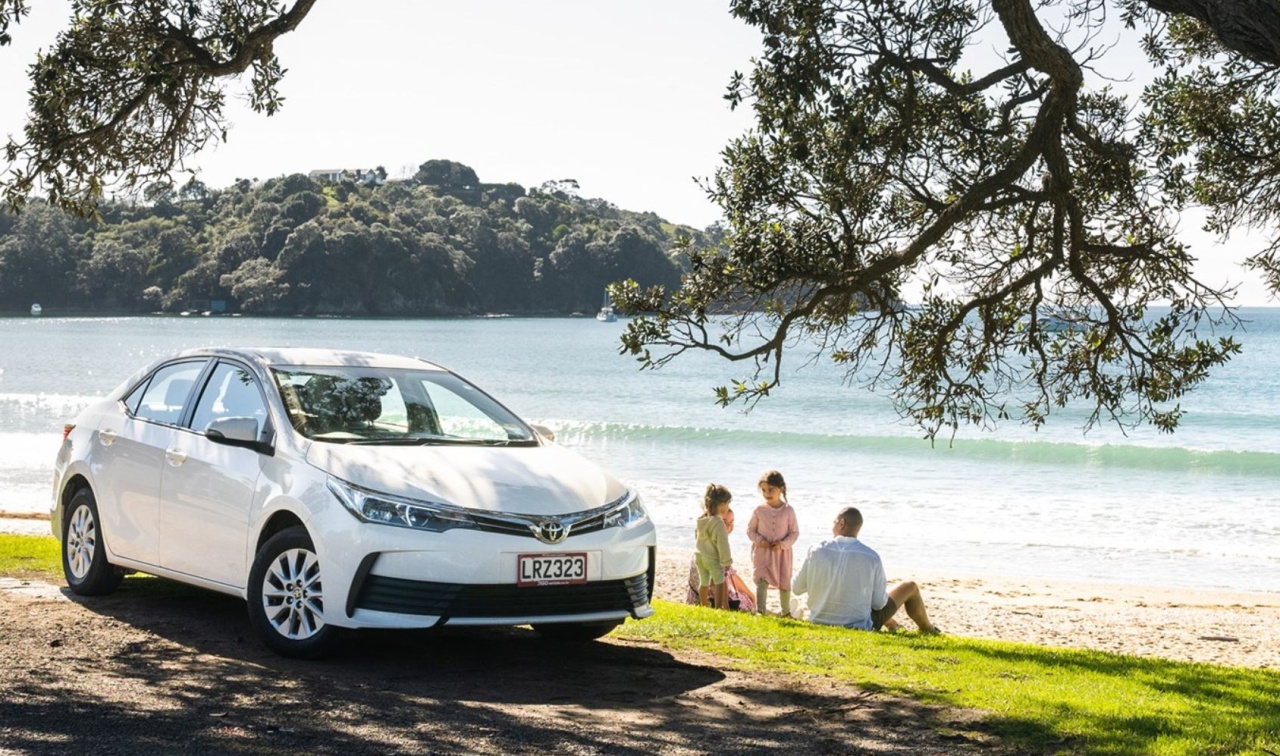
[440,243]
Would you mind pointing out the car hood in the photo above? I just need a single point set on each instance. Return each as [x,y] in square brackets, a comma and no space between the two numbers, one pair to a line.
[542,480]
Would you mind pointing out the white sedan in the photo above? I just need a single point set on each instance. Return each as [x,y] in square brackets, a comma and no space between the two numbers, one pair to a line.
[346,490]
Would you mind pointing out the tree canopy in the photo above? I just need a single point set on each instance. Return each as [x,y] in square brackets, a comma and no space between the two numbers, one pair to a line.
[295,245]
[1033,205]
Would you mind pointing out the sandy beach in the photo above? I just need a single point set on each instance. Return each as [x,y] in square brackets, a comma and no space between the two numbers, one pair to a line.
[1235,629]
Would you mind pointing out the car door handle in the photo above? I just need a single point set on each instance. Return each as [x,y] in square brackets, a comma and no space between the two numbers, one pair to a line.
[106,437]
[175,457]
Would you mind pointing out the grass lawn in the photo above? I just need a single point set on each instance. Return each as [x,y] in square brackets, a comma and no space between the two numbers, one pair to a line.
[30,556]
[1040,699]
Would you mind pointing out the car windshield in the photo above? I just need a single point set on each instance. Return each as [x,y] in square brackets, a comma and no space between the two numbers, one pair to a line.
[365,405]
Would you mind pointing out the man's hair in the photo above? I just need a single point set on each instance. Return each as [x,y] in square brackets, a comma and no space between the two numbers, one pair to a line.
[851,518]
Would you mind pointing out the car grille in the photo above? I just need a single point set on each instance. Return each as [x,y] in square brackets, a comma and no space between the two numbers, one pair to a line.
[449,600]
[522,525]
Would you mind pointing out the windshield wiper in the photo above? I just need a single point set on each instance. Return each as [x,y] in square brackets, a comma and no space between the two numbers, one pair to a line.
[441,441]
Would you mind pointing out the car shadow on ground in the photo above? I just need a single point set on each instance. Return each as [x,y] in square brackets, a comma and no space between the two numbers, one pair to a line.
[160,666]
[463,663]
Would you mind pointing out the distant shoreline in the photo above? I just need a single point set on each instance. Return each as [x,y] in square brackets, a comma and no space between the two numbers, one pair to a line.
[24,516]
[50,314]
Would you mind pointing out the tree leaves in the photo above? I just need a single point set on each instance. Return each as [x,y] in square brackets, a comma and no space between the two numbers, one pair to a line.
[1007,198]
[132,88]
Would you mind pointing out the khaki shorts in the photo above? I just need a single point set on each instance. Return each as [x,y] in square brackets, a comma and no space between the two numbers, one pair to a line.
[881,616]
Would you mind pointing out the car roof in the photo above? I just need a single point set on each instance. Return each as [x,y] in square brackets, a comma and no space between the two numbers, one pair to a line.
[310,357]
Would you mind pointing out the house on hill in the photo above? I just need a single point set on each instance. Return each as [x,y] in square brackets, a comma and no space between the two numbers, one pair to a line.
[368,178]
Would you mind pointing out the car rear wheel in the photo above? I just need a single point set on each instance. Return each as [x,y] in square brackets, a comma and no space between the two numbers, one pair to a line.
[576,631]
[286,597]
[84,558]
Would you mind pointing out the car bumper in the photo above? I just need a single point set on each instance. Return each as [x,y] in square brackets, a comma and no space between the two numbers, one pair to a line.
[388,577]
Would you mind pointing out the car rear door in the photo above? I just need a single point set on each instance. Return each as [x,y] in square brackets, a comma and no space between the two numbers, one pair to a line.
[128,458]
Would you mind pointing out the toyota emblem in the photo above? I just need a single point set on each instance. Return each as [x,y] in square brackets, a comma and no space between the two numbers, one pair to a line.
[551,531]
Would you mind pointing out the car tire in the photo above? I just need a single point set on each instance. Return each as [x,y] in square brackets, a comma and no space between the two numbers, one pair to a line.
[84,553]
[579,632]
[286,597]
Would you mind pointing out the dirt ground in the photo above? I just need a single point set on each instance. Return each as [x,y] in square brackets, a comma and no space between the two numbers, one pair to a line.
[158,667]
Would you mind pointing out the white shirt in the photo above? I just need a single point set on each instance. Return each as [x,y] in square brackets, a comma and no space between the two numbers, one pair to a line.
[845,581]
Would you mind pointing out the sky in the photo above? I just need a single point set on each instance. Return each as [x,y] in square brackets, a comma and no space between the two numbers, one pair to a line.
[624,97]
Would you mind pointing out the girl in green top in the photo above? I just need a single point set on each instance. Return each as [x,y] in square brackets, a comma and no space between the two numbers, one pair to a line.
[712,555]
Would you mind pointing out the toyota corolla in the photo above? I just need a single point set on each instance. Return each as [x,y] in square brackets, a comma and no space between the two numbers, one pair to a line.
[346,490]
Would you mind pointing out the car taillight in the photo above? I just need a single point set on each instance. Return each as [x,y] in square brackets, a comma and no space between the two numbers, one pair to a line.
[66,430]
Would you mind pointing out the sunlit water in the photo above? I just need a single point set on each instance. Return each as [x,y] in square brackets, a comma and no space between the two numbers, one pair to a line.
[1198,508]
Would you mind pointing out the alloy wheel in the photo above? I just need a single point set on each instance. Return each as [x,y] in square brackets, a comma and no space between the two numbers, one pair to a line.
[292,595]
[82,542]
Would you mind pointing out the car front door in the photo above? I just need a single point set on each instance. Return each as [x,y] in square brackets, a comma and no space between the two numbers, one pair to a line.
[207,490]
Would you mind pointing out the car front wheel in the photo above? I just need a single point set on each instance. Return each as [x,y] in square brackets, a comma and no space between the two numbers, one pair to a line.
[576,631]
[286,597]
[84,558]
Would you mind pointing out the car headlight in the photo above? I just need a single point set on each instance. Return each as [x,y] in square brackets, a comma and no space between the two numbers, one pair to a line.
[629,512]
[369,506]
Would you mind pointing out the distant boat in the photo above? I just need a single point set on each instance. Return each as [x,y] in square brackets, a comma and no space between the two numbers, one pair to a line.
[36,309]
[1052,321]
[1055,324]
[606,314]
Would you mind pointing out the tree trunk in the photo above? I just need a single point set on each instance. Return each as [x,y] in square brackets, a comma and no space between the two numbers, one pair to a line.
[1250,27]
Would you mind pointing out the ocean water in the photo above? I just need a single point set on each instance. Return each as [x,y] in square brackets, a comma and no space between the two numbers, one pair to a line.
[1199,508]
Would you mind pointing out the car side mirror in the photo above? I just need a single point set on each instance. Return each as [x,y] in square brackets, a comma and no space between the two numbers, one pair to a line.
[544,431]
[237,431]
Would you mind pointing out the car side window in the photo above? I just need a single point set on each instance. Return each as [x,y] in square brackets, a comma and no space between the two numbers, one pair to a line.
[231,391]
[165,396]
[134,399]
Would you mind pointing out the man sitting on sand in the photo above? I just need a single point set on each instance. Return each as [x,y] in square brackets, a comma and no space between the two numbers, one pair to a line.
[846,585]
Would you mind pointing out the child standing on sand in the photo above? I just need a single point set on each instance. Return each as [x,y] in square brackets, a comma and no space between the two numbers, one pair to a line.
[773,531]
[741,597]
[712,557]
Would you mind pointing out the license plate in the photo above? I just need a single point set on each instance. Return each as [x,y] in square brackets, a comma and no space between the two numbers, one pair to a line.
[551,569]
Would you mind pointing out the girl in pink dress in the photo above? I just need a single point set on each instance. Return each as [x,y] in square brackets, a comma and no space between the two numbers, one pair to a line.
[773,531]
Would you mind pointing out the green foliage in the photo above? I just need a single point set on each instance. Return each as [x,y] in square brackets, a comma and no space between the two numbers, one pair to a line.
[1215,118]
[11,11]
[879,163]
[447,175]
[1032,699]
[293,246]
